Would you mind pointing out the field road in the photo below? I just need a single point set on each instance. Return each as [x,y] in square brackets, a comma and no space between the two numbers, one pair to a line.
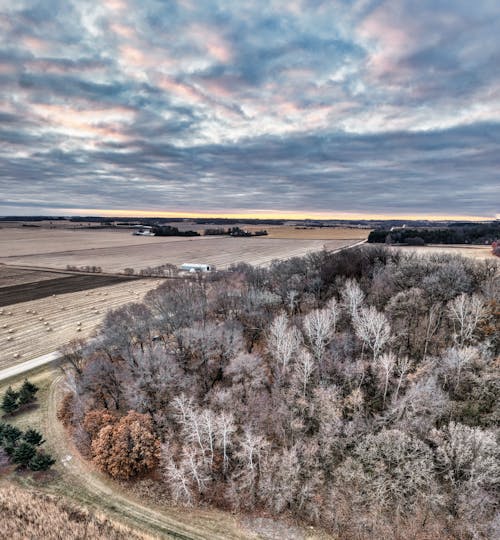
[24,367]
[108,495]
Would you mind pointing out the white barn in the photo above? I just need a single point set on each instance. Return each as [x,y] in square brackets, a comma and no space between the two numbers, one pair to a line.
[196,267]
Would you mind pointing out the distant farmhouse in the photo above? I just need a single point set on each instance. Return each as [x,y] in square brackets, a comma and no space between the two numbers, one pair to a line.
[143,230]
[195,267]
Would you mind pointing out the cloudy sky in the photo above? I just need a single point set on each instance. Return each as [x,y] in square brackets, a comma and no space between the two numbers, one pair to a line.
[334,108]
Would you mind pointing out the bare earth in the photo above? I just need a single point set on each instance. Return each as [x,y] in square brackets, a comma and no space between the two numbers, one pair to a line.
[114,251]
[38,327]
[10,277]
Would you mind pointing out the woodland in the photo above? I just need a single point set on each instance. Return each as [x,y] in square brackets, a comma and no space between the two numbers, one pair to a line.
[356,391]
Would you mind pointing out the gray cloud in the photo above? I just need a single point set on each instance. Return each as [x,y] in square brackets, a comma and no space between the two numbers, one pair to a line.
[371,107]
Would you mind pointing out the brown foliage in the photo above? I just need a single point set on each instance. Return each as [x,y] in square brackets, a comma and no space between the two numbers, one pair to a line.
[65,410]
[94,421]
[127,448]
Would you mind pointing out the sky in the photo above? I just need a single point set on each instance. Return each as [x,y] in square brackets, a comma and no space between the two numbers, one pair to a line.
[297,108]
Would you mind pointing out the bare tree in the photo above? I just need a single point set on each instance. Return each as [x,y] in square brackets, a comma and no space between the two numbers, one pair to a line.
[304,369]
[319,328]
[226,428]
[373,328]
[283,341]
[398,469]
[385,364]
[252,447]
[402,366]
[177,477]
[466,312]
[456,360]
[352,297]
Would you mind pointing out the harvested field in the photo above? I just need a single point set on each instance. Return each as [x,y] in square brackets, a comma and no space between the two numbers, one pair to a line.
[313,233]
[10,276]
[15,242]
[50,287]
[154,251]
[37,327]
[476,252]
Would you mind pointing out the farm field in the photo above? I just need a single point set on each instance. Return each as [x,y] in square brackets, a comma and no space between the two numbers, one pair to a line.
[475,252]
[114,251]
[11,276]
[33,328]
[313,233]
[35,290]
[18,241]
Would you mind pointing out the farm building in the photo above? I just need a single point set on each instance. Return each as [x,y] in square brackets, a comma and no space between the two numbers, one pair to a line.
[195,267]
[143,230]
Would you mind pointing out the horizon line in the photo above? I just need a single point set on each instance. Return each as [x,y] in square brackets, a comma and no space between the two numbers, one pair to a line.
[252,214]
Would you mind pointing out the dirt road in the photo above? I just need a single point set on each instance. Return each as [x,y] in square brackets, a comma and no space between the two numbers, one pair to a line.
[91,487]
[24,367]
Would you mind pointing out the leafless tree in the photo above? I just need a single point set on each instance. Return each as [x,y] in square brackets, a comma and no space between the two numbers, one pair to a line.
[455,360]
[466,312]
[352,297]
[304,369]
[373,328]
[319,328]
[225,428]
[283,341]
[385,363]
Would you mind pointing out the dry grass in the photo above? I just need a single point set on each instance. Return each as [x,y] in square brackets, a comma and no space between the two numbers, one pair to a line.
[42,326]
[32,514]
[115,250]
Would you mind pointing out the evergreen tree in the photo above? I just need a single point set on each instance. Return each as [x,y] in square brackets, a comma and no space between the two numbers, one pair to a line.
[33,437]
[10,401]
[9,435]
[23,454]
[27,394]
[41,462]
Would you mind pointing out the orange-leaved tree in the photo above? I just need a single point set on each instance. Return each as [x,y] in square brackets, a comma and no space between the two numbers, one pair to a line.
[127,448]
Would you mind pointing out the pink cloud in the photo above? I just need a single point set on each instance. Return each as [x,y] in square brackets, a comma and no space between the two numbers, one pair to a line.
[208,39]
[102,123]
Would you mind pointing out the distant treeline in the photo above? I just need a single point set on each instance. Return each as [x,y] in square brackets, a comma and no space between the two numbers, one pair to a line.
[167,230]
[31,218]
[454,234]
[233,231]
[228,221]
